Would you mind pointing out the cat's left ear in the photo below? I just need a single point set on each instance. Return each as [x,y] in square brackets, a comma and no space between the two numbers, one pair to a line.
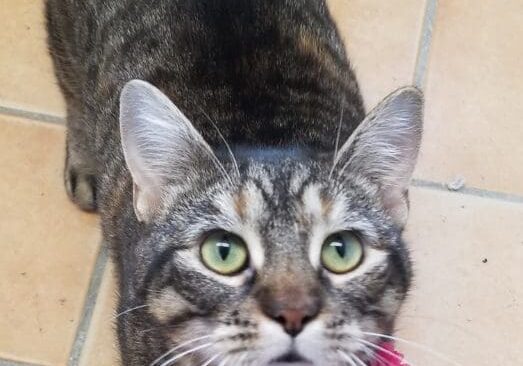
[162,149]
[384,148]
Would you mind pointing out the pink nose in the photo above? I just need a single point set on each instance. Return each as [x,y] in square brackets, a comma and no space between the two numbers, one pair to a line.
[292,305]
[293,320]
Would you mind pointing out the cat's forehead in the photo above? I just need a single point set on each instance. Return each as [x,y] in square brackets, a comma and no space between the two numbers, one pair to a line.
[295,186]
[284,205]
[284,187]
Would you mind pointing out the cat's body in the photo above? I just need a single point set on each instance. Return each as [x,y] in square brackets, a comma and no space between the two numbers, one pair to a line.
[272,77]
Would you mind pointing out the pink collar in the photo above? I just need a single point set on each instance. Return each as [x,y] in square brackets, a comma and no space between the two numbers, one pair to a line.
[388,356]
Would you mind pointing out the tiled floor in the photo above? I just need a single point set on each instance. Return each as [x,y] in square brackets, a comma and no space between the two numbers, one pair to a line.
[48,247]
[467,305]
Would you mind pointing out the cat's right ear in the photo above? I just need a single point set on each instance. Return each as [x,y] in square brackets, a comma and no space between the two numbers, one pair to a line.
[384,148]
[162,149]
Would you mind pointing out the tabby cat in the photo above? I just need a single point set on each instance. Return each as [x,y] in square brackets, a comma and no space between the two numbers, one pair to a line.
[253,210]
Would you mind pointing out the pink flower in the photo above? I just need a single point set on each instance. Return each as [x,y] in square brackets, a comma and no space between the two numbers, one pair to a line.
[388,356]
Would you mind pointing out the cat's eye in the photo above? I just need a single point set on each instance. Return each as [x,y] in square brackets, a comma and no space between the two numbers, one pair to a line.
[341,252]
[224,253]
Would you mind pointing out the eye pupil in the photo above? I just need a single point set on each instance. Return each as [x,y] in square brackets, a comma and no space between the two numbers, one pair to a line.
[340,246]
[223,250]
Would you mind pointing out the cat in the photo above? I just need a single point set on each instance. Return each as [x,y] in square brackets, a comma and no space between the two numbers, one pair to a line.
[253,210]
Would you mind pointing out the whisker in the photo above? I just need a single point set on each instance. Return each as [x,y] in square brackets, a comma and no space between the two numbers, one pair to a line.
[340,173]
[227,146]
[220,166]
[338,133]
[172,350]
[384,350]
[417,345]
[185,353]
[243,357]
[235,358]
[210,360]
[372,354]
[129,310]
[381,361]
[358,360]
[217,162]
[347,358]
[166,326]
[225,360]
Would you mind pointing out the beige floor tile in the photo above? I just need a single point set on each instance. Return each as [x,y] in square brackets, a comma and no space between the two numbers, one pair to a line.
[382,40]
[100,346]
[475,83]
[466,303]
[48,246]
[26,74]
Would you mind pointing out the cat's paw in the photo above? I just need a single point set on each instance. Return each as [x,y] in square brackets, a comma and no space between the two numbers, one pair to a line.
[81,188]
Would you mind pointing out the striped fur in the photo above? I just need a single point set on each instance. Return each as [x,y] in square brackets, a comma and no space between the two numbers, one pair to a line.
[263,82]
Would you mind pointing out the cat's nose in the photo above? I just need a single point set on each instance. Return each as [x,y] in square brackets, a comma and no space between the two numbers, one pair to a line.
[292,308]
[293,320]
[292,300]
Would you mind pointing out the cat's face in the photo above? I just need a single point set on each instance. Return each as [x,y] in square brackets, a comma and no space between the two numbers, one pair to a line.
[279,256]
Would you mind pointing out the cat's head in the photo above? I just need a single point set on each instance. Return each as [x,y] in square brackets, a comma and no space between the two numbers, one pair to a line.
[258,255]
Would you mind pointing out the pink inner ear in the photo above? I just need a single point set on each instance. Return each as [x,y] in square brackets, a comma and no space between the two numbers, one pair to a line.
[388,356]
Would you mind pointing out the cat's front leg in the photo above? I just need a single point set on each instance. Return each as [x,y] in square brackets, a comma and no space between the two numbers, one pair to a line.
[80,176]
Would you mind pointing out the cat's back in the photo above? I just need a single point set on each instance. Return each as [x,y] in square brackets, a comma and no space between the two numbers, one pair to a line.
[267,72]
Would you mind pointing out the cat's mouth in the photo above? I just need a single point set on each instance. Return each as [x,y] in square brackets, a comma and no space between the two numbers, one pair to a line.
[291,358]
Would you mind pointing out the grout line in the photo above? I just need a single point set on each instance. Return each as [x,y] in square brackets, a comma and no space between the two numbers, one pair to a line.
[422,59]
[469,191]
[5,362]
[420,74]
[90,303]
[41,117]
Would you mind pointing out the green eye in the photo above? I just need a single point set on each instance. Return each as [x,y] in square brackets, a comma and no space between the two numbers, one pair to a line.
[224,253]
[341,252]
